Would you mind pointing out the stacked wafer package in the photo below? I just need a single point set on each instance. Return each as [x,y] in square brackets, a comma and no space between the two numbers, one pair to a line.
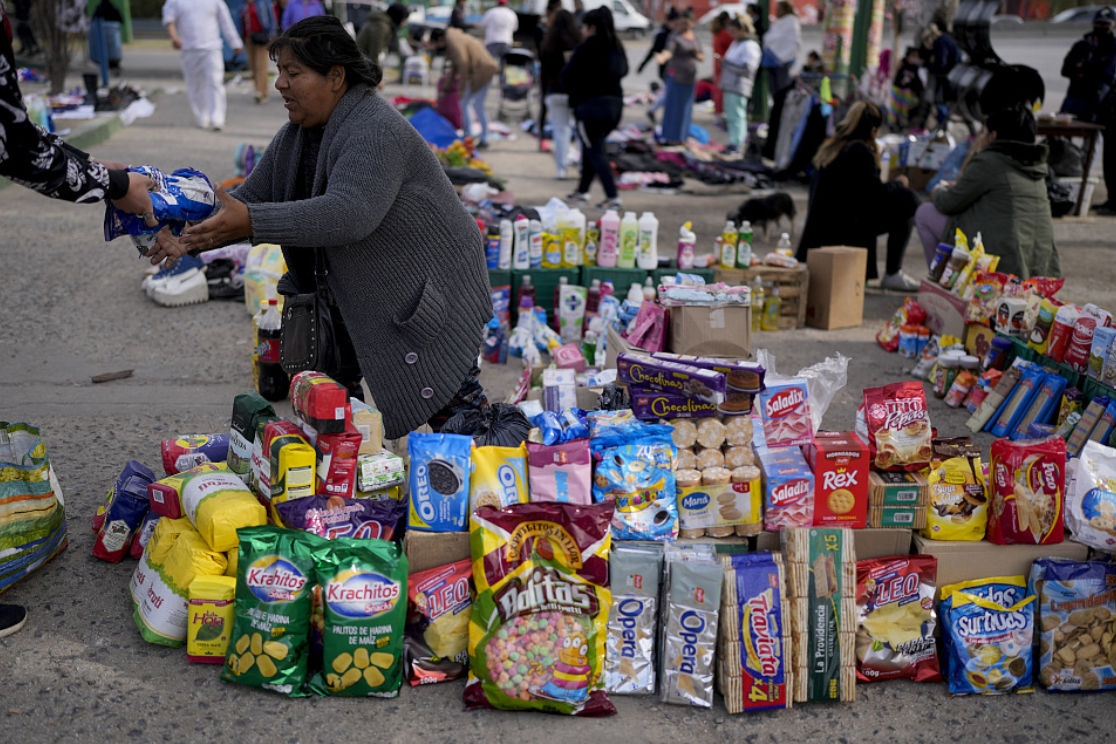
[753,648]
[821,564]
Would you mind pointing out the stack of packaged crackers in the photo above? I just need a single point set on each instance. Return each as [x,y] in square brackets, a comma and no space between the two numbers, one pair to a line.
[897,500]
[821,563]
[753,647]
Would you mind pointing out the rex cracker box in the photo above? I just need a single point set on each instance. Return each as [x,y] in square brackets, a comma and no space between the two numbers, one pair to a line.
[840,464]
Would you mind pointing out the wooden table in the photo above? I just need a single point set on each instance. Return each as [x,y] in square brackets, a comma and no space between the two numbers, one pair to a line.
[1075,128]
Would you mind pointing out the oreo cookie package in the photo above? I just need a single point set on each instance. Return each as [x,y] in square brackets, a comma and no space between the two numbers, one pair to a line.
[439,481]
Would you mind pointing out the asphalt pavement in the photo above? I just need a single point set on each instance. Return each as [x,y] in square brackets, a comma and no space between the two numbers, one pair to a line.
[73,308]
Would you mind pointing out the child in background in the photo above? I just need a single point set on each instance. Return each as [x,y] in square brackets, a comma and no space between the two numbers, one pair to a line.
[906,92]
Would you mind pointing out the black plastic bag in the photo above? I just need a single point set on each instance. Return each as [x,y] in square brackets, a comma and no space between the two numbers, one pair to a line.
[499,425]
[614,397]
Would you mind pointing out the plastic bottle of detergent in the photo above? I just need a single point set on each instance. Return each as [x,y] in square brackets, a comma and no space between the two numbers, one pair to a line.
[648,252]
[492,247]
[507,237]
[573,237]
[521,251]
[772,308]
[535,243]
[592,240]
[744,246]
[686,242]
[526,289]
[728,246]
[609,247]
[629,240]
[635,294]
[757,305]
[562,281]
[552,244]
[271,381]
[784,246]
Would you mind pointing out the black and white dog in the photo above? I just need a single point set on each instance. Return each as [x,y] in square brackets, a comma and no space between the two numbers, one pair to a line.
[766,211]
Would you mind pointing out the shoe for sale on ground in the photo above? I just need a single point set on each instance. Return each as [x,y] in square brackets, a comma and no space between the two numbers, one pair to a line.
[482,145]
[225,281]
[182,291]
[613,203]
[12,618]
[578,197]
[899,282]
[184,266]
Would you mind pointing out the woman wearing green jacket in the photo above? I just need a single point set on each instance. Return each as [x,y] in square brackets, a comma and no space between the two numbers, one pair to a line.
[1000,194]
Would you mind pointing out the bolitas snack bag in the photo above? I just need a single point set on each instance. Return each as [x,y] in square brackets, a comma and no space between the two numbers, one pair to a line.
[541,573]
[895,604]
[271,627]
[364,600]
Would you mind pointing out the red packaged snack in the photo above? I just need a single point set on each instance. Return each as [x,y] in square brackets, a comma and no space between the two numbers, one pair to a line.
[337,462]
[840,464]
[896,619]
[910,312]
[321,402]
[898,426]
[1028,491]
[440,604]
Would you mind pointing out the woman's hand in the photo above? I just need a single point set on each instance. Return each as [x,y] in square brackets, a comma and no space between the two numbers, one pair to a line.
[902,181]
[663,57]
[230,224]
[699,55]
[166,247]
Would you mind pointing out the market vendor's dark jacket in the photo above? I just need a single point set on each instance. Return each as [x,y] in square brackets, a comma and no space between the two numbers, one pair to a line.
[406,261]
[594,71]
[1002,195]
[844,199]
[376,35]
[1090,67]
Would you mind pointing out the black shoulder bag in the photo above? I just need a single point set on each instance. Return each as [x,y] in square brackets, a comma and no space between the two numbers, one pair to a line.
[308,340]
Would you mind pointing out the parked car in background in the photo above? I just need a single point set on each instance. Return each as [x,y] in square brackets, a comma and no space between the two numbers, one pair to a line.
[1083,14]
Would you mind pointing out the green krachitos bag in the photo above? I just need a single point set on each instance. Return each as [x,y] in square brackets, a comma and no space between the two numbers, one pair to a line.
[364,598]
[271,628]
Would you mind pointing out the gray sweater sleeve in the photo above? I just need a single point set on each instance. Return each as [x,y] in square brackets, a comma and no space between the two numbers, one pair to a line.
[365,172]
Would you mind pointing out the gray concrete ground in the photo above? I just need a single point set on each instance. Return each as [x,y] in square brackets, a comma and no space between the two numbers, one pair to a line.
[73,309]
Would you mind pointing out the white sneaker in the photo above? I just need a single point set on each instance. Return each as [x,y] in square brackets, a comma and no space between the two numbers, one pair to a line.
[183,289]
[899,282]
[184,268]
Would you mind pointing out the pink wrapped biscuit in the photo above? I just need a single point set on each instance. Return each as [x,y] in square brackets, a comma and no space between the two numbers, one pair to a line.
[788,492]
[785,408]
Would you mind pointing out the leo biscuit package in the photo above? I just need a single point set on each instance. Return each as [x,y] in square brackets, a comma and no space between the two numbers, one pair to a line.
[840,465]
[754,650]
[690,614]
[895,637]
[634,572]
[247,409]
[436,645]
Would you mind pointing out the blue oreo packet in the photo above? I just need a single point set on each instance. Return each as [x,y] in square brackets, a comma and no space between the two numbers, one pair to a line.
[180,197]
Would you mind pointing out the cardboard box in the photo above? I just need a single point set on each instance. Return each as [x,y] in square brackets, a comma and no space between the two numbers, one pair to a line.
[840,464]
[432,549]
[711,331]
[617,345]
[917,178]
[836,290]
[945,312]
[967,560]
[876,542]
[902,517]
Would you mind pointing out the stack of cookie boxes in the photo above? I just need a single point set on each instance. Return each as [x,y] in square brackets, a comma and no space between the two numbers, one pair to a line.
[709,402]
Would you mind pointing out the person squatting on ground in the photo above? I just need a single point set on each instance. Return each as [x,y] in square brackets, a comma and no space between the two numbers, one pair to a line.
[196,27]
[349,180]
[472,70]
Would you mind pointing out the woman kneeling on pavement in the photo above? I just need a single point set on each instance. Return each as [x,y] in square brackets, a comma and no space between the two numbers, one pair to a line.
[1000,193]
[351,180]
[849,205]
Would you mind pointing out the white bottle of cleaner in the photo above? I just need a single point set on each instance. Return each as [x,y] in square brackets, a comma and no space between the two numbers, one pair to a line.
[535,243]
[648,255]
[507,237]
[521,252]
[635,294]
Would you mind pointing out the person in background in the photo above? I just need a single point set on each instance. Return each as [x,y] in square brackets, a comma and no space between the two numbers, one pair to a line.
[347,177]
[849,205]
[722,40]
[296,10]
[472,71]
[1000,193]
[1091,69]
[500,24]
[592,80]
[457,16]
[782,44]
[258,26]
[942,55]
[759,21]
[682,54]
[907,92]
[552,7]
[579,11]
[813,64]
[41,161]
[562,36]
[196,27]
[738,76]
[378,34]
[658,44]
[28,46]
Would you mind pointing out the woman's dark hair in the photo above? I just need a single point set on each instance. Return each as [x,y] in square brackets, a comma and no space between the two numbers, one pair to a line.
[322,43]
[857,126]
[398,13]
[562,34]
[1016,123]
[600,20]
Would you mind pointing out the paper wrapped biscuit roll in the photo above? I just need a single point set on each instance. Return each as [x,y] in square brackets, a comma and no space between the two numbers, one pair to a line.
[710,458]
[711,433]
[685,460]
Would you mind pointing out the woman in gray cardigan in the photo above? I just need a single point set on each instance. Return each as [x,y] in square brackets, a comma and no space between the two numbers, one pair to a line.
[405,261]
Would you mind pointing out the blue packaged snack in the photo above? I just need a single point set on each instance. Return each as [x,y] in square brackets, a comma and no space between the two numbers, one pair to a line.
[125,508]
[183,196]
[1004,590]
[1043,406]
[501,304]
[990,645]
[639,479]
[559,427]
[439,481]
[1017,402]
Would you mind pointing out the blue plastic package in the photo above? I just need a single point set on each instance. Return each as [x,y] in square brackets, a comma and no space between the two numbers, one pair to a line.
[639,479]
[182,197]
[1043,405]
[990,650]
[439,481]
[1016,404]
[559,427]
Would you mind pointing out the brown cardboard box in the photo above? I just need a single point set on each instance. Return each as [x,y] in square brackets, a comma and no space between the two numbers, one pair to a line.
[615,346]
[960,560]
[945,312]
[432,549]
[869,543]
[836,294]
[917,178]
[711,331]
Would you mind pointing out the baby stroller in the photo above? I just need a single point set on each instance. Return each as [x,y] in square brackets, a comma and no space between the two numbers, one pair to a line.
[517,79]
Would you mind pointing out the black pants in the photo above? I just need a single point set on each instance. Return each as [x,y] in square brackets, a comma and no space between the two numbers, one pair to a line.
[1109,162]
[895,217]
[595,119]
